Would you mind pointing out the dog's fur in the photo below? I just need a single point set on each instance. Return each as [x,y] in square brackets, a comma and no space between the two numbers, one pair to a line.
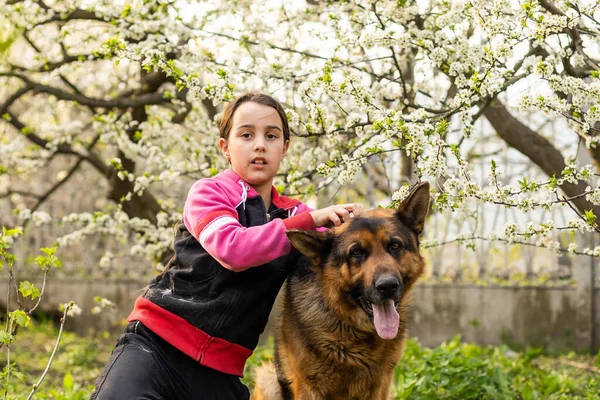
[327,345]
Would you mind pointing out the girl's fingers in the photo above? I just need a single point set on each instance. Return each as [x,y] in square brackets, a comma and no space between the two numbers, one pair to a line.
[353,209]
[343,214]
[337,214]
[356,209]
[335,220]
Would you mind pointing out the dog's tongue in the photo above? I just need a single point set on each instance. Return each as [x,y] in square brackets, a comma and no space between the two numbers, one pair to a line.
[386,319]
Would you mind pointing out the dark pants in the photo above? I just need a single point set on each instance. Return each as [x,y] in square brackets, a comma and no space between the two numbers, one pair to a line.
[145,367]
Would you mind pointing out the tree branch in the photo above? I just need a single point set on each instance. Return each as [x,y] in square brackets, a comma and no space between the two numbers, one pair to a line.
[58,184]
[14,97]
[77,14]
[577,43]
[34,138]
[538,149]
[120,102]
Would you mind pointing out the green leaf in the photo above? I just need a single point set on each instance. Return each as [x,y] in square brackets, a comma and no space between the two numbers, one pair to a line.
[552,182]
[590,217]
[6,338]
[20,317]
[9,387]
[48,250]
[27,289]
[126,11]
[17,374]
[523,183]
[11,232]
[441,127]
[49,260]
[68,382]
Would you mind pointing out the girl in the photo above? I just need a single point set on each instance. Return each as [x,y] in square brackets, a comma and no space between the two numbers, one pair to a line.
[193,328]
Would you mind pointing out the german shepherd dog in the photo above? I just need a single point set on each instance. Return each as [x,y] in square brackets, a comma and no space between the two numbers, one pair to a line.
[344,317]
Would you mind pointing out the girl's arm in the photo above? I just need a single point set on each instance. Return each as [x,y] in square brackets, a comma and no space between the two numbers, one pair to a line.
[213,221]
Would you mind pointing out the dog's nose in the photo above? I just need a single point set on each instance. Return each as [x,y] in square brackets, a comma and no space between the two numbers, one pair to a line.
[387,285]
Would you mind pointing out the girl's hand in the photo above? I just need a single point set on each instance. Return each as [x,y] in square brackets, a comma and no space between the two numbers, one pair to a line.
[335,215]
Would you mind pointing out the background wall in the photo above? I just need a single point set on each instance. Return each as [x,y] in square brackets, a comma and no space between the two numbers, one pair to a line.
[556,317]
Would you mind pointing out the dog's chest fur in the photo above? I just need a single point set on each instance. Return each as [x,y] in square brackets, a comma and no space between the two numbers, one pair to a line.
[345,367]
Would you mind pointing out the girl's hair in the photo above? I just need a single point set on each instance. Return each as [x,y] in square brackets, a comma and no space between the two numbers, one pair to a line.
[259,98]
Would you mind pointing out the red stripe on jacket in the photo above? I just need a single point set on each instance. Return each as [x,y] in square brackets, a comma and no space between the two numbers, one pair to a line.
[209,351]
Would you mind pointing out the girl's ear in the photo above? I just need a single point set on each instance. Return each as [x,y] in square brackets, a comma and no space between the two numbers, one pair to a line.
[224,146]
[286,146]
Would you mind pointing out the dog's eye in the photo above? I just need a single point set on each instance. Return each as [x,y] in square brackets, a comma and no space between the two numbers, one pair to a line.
[395,246]
[357,252]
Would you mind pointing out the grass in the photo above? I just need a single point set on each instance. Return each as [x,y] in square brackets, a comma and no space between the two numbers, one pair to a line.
[77,363]
[453,370]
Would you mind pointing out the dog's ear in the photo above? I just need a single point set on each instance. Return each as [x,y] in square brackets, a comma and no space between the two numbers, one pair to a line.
[414,208]
[314,245]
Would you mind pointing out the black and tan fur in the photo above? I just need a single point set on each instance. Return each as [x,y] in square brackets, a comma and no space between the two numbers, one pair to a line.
[326,344]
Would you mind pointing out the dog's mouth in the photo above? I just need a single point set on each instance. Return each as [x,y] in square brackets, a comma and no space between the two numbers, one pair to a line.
[384,316]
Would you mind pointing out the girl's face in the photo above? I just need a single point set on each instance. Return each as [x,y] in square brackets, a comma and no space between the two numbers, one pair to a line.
[256,144]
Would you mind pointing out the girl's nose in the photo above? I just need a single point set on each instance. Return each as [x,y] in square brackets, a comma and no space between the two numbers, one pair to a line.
[259,144]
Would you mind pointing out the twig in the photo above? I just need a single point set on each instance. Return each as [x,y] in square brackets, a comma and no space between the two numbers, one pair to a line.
[503,240]
[8,328]
[7,364]
[41,293]
[8,325]
[62,324]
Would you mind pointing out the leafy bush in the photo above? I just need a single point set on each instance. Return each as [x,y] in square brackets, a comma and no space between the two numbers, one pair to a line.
[457,370]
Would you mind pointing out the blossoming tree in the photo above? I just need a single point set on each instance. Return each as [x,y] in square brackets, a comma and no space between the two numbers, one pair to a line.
[394,91]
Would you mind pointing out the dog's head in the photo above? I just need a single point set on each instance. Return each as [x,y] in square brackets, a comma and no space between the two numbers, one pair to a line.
[366,267]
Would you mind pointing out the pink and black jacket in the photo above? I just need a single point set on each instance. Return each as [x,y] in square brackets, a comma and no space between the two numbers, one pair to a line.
[231,258]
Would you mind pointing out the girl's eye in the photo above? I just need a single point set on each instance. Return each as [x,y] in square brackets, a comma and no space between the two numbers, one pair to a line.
[245,135]
[395,246]
[271,136]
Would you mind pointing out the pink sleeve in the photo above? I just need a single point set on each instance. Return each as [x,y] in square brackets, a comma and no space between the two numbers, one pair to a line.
[213,221]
